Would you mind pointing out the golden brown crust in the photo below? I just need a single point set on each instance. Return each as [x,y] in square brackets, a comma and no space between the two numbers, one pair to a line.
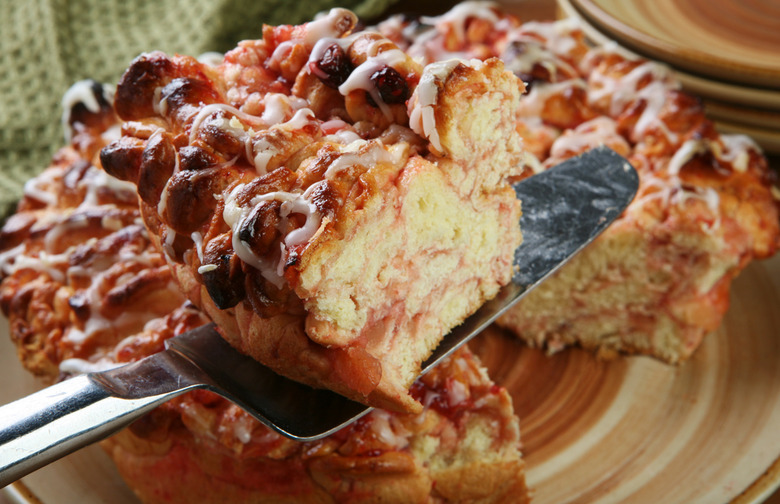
[658,279]
[443,455]
[78,271]
[200,447]
[299,207]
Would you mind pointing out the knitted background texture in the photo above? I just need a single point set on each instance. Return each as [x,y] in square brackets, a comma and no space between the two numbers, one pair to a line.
[47,45]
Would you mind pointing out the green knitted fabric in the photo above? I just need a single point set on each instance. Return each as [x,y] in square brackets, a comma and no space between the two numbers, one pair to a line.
[47,45]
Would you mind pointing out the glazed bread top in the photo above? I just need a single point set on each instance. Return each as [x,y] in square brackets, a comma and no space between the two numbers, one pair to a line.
[317,192]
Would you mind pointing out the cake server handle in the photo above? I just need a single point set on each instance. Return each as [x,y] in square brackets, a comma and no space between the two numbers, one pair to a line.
[44,426]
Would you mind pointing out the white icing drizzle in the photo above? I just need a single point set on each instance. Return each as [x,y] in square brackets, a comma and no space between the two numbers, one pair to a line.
[6,268]
[214,108]
[557,35]
[339,131]
[211,58]
[535,52]
[197,239]
[69,224]
[279,107]
[262,151]
[324,26]
[159,104]
[282,50]
[82,92]
[32,189]
[290,112]
[98,179]
[301,118]
[360,78]
[735,149]
[621,91]
[591,133]
[422,119]
[388,429]
[685,153]
[459,15]
[532,105]
[235,215]
[318,51]
[167,244]
[206,268]
[45,262]
[360,152]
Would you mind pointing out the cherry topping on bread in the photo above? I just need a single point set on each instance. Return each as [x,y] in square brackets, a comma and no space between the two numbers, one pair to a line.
[391,85]
[334,67]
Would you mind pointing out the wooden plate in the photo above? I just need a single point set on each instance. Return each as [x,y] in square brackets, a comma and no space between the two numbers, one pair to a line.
[735,108]
[709,88]
[626,430]
[732,40]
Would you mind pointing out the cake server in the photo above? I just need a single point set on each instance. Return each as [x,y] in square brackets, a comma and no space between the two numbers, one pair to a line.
[564,209]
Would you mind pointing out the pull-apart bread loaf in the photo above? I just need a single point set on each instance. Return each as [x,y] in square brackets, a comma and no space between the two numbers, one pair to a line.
[85,289]
[334,206]
[658,279]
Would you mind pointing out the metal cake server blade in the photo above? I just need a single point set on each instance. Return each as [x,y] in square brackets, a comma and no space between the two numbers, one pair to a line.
[564,209]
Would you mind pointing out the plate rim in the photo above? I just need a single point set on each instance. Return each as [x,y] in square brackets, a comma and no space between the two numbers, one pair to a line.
[711,65]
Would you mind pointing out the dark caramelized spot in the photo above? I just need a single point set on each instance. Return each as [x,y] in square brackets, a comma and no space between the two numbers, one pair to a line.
[225,282]
[334,67]
[391,85]
[184,96]
[195,158]
[326,198]
[190,200]
[80,306]
[223,142]
[135,91]
[16,229]
[157,164]
[260,230]
[122,158]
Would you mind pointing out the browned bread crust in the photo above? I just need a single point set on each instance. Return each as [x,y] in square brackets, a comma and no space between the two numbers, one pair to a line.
[335,207]
[462,448]
[84,289]
[658,279]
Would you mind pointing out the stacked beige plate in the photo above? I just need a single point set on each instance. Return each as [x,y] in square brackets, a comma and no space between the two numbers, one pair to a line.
[725,51]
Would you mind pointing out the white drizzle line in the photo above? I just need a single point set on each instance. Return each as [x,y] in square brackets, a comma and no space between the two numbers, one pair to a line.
[235,216]
[82,92]
[324,26]
[422,118]
[622,91]
[458,15]
[214,108]
[360,78]
[363,153]
[262,151]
